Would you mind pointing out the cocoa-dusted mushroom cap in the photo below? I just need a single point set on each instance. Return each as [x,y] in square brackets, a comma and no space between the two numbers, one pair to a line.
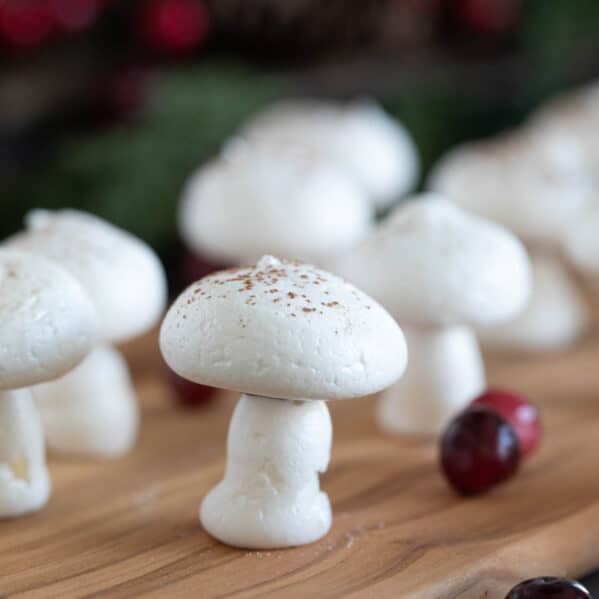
[256,201]
[284,330]
[47,323]
[120,273]
[431,263]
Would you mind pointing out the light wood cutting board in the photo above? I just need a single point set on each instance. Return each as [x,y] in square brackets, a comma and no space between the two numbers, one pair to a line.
[129,528]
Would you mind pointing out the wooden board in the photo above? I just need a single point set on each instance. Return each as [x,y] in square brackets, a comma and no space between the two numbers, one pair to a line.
[129,528]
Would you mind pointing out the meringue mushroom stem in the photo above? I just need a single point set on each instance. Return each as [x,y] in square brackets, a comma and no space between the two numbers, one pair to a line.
[92,410]
[24,480]
[445,371]
[270,495]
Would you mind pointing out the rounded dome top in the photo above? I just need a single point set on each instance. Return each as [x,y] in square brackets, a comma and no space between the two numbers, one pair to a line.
[430,263]
[284,330]
[47,322]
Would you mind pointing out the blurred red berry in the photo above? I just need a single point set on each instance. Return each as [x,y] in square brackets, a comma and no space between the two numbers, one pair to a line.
[489,16]
[520,413]
[74,15]
[192,268]
[175,27]
[25,23]
[191,395]
[479,450]
[549,587]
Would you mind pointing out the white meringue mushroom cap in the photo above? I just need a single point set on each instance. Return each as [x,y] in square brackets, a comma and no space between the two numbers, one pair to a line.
[582,244]
[360,137]
[431,263]
[379,150]
[534,182]
[47,323]
[284,330]
[257,201]
[576,112]
[122,275]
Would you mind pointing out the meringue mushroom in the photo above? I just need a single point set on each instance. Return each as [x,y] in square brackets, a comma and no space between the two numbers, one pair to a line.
[577,113]
[535,182]
[554,317]
[255,200]
[287,336]
[582,245]
[373,148]
[92,410]
[47,324]
[439,270]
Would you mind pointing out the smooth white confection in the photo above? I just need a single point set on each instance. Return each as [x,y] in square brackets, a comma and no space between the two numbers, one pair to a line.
[360,137]
[285,330]
[431,263]
[534,182]
[121,274]
[270,495]
[576,112]
[444,373]
[91,410]
[437,268]
[555,316]
[258,200]
[582,245]
[24,480]
[47,323]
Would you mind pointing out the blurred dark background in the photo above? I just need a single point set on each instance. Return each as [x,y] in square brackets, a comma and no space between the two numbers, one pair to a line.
[107,106]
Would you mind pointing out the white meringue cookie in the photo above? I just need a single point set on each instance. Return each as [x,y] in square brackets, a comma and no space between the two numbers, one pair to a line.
[430,263]
[284,332]
[554,318]
[436,269]
[535,182]
[444,372]
[577,113]
[121,274]
[125,280]
[270,495]
[91,410]
[582,245]
[24,477]
[375,149]
[47,324]
[257,200]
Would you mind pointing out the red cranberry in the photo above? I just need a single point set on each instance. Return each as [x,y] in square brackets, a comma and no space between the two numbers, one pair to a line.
[190,394]
[519,412]
[479,449]
[175,27]
[548,587]
[25,24]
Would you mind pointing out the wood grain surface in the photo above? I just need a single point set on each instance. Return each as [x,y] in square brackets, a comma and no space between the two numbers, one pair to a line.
[129,528]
